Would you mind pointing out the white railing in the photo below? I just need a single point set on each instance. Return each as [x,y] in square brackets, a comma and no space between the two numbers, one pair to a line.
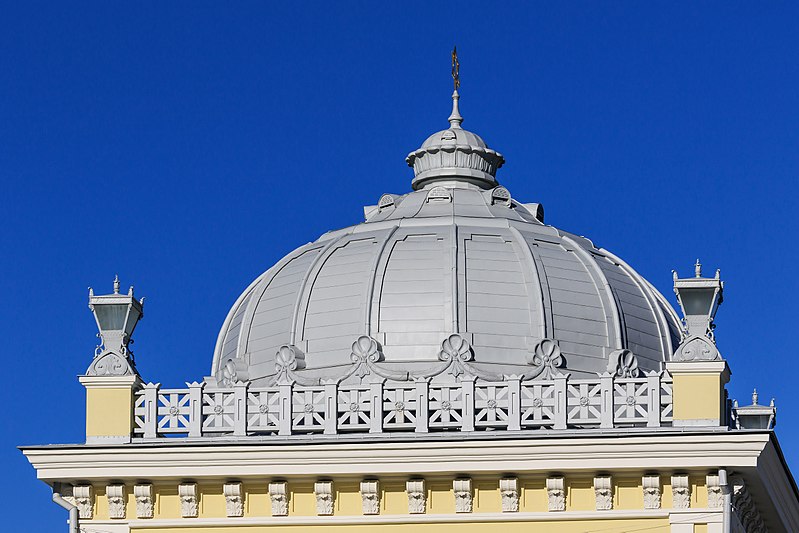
[420,406]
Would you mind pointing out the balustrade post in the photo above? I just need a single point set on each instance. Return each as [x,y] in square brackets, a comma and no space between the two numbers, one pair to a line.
[561,407]
[195,409]
[285,410]
[422,405]
[606,408]
[151,410]
[331,407]
[376,403]
[514,403]
[467,395]
[653,398]
[240,408]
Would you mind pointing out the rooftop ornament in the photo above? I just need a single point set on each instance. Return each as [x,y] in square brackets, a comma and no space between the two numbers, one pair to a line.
[755,416]
[116,316]
[699,299]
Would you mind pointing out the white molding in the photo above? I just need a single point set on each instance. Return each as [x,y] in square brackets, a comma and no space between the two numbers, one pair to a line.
[393,519]
[169,461]
[698,367]
[109,382]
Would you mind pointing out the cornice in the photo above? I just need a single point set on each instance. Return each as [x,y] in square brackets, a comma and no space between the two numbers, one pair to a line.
[656,451]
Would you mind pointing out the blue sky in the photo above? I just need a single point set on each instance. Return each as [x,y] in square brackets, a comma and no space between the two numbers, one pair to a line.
[187,146]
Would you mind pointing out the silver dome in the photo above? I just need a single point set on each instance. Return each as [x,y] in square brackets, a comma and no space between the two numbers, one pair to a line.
[457,256]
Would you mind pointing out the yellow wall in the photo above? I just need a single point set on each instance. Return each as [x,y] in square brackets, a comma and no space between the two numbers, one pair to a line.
[109,412]
[697,396]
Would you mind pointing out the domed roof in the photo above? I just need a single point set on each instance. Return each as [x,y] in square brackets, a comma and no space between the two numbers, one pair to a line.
[455,267]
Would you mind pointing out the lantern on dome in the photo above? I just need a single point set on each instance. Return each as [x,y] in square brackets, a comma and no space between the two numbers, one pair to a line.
[699,299]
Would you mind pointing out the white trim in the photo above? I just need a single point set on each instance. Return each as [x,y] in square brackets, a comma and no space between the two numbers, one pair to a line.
[284,458]
[702,515]
[389,519]
[698,367]
[109,382]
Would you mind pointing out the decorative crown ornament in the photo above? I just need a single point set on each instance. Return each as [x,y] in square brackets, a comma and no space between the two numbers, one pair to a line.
[116,316]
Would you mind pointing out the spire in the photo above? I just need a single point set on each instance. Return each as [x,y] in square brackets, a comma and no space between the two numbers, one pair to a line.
[455,119]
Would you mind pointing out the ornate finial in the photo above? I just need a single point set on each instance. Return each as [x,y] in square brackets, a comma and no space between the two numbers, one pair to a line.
[116,284]
[455,119]
[698,269]
[754,397]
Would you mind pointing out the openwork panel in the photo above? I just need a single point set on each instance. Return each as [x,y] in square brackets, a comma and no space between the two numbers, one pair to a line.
[308,410]
[263,410]
[445,407]
[583,403]
[354,409]
[400,407]
[218,411]
[538,404]
[666,400]
[173,412]
[630,401]
[491,405]
[139,413]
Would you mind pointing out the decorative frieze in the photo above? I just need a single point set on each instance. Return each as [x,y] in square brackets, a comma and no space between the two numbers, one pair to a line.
[509,491]
[603,492]
[417,496]
[680,491]
[188,500]
[116,501]
[143,494]
[84,500]
[652,494]
[279,496]
[556,494]
[463,495]
[323,490]
[715,496]
[234,501]
[370,496]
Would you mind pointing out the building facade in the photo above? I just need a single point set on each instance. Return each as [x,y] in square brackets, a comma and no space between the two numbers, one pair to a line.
[452,362]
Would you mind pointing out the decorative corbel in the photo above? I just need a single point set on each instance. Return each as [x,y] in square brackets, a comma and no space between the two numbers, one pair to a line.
[509,491]
[417,496]
[144,500]
[188,500]
[623,364]
[84,500]
[370,496]
[288,360]
[279,496]
[324,497]
[680,491]
[715,494]
[651,488]
[463,495]
[603,492]
[234,501]
[116,501]
[556,493]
